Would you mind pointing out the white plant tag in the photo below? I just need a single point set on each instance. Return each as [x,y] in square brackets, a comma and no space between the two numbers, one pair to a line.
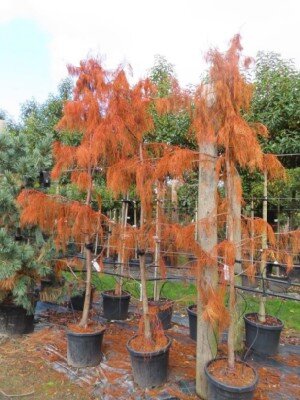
[226,272]
[96,265]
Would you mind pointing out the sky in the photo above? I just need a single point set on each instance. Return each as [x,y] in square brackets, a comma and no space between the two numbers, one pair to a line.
[38,38]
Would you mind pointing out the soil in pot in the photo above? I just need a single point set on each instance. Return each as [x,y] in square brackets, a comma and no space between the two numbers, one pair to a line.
[149,361]
[224,383]
[84,345]
[115,307]
[14,320]
[262,337]
[192,314]
[164,310]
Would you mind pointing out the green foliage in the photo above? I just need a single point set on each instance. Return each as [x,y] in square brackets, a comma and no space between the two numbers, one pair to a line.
[284,195]
[170,128]
[276,103]
[161,74]
[18,262]
[25,150]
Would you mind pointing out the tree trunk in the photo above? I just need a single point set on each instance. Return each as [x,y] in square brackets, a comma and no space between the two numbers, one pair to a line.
[174,200]
[121,259]
[237,238]
[146,317]
[207,237]
[88,265]
[157,244]
[230,232]
[262,308]
[88,286]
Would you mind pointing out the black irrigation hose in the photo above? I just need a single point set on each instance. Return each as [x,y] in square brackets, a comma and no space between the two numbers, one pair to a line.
[244,288]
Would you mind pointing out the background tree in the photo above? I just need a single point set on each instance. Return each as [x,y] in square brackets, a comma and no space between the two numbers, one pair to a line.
[23,254]
[276,103]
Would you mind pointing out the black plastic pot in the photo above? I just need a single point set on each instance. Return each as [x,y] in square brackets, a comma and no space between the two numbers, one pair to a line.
[110,260]
[149,258]
[192,321]
[84,349]
[294,275]
[134,262]
[279,284]
[149,369]
[77,302]
[165,312]
[14,320]
[262,339]
[220,391]
[246,282]
[115,307]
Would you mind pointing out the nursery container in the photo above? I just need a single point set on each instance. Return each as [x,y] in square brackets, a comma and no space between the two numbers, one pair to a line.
[115,307]
[279,284]
[220,391]
[262,338]
[192,313]
[84,349]
[149,369]
[77,302]
[246,282]
[294,275]
[14,320]
[165,311]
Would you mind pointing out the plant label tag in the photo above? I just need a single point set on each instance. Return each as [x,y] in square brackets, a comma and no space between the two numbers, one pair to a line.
[96,266]
[226,272]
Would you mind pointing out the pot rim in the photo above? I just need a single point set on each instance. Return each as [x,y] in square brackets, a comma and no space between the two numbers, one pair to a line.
[148,353]
[86,334]
[234,389]
[263,326]
[124,295]
[190,311]
[164,299]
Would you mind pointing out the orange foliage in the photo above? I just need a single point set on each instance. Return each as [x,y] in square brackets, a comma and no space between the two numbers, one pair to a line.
[63,220]
[214,309]
[273,166]
[175,162]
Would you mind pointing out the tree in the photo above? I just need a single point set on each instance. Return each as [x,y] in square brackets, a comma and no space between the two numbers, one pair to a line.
[221,128]
[111,125]
[276,104]
[23,254]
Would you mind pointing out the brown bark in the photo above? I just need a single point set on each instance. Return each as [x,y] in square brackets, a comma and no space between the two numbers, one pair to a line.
[157,244]
[146,317]
[262,308]
[121,259]
[230,233]
[237,237]
[88,264]
[207,206]
[87,299]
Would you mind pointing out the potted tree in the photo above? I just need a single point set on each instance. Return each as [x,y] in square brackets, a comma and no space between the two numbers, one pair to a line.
[237,140]
[22,261]
[148,349]
[74,220]
[128,106]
